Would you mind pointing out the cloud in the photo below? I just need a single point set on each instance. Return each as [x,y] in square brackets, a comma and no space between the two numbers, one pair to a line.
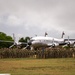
[10,20]
[30,17]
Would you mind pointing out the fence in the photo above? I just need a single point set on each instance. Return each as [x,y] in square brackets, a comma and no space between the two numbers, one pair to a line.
[41,53]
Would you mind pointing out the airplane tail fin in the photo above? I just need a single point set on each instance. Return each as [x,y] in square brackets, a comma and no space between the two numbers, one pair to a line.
[62,34]
[46,34]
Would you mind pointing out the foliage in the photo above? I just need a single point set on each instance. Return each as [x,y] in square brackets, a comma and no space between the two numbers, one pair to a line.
[42,53]
[5,41]
[21,40]
[24,39]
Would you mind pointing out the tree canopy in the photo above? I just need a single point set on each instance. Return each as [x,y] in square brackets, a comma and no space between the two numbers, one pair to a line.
[5,40]
[26,39]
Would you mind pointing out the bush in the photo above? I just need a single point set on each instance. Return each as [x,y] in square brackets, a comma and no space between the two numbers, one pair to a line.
[45,53]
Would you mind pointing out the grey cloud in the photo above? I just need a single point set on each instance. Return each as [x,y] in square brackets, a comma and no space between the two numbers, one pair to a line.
[32,16]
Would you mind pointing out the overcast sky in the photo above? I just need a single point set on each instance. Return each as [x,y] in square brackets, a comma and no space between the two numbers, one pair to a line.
[35,17]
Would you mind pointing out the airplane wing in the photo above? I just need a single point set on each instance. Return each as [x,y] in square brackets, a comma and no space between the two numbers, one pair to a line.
[69,39]
[6,41]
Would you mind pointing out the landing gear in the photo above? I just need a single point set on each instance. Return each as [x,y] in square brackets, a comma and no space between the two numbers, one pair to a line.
[68,44]
[53,45]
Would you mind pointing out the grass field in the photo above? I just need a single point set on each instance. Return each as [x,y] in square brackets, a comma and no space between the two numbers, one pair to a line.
[27,66]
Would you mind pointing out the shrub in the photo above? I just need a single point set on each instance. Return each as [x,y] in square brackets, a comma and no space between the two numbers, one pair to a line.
[45,53]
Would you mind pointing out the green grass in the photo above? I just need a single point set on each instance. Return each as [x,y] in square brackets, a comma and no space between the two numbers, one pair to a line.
[24,66]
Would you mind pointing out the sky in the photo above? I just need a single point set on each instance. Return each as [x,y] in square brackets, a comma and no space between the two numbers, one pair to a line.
[35,17]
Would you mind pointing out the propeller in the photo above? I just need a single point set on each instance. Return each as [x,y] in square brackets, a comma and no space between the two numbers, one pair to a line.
[28,46]
[14,44]
[62,34]
[68,43]
[53,45]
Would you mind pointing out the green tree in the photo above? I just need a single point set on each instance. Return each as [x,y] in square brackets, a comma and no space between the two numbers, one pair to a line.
[22,40]
[26,39]
[2,36]
[5,41]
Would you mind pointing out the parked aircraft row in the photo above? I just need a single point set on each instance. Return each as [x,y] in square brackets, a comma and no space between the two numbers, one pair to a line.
[44,41]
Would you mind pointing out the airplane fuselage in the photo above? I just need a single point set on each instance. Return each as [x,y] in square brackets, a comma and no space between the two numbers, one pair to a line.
[46,41]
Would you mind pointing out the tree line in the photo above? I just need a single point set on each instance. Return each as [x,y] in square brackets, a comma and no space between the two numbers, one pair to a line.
[6,41]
